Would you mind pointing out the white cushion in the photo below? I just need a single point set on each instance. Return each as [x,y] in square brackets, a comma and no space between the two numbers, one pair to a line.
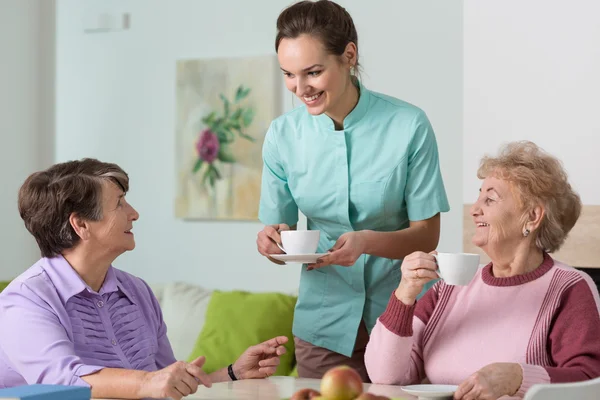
[157,289]
[184,310]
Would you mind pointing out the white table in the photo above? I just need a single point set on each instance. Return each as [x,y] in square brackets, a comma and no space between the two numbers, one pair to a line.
[277,388]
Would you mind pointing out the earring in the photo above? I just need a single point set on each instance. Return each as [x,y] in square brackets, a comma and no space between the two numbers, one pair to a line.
[526,232]
[352,70]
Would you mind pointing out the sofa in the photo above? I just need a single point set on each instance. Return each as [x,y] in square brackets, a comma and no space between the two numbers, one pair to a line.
[222,324]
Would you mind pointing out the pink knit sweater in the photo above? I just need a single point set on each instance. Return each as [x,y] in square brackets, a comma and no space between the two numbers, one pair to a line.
[547,320]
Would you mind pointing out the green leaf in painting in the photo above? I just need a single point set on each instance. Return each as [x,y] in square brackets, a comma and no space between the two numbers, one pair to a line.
[247,137]
[225,104]
[237,114]
[248,117]
[225,135]
[209,119]
[241,93]
[197,166]
[225,155]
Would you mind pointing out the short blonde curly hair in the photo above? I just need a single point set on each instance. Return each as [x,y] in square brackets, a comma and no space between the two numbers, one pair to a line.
[539,179]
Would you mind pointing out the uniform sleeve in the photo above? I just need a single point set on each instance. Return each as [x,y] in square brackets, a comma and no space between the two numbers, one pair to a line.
[37,344]
[277,204]
[425,194]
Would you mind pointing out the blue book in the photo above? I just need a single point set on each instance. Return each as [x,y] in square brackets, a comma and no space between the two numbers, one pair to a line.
[46,392]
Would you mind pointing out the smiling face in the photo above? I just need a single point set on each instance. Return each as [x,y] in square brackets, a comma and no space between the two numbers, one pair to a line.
[112,234]
[321,80]
[497,216]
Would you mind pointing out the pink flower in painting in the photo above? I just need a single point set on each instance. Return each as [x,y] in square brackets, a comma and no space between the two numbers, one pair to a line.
[208,146]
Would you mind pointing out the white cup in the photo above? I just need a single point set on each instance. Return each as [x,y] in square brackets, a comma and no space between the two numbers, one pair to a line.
[457,268]
[299,242]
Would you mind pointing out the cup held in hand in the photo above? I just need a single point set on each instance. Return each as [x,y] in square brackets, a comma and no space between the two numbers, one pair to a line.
[457,268]
[299,242]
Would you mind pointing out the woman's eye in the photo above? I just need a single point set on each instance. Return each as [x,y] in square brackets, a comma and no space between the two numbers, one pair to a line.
[314,73]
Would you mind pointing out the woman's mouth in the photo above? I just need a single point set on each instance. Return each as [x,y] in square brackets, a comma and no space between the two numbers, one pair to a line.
[310,100]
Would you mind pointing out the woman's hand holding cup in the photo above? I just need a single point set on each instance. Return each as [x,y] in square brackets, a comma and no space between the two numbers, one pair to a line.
[268,238]
[418,268]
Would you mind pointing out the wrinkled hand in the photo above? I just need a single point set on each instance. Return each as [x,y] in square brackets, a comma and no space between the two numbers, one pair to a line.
[417,268]
[345,251]
[261,360]
[176,381]
[491,382]
[267,239]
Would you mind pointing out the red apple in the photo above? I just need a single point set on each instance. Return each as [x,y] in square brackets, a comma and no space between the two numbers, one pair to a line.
[341,383]
[305,394]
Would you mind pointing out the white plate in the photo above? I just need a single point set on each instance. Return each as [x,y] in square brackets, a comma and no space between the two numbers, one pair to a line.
[424,392]
[298,258]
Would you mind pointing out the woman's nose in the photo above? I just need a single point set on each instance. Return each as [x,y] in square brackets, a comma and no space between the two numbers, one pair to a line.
[475,209]
[134,214]
[300,87]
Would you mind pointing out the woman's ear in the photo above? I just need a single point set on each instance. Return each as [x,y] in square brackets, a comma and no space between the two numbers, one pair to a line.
[80,226]
[535,217]
[350,54]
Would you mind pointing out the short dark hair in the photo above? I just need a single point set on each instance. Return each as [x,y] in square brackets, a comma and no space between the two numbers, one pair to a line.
[323,19]
[48,198]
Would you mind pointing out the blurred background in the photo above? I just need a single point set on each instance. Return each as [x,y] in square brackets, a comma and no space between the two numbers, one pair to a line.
[97,78]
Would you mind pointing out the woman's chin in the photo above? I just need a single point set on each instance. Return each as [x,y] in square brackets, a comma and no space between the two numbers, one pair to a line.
[479,242]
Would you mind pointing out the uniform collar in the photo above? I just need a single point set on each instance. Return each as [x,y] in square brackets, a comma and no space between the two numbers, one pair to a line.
[357,113]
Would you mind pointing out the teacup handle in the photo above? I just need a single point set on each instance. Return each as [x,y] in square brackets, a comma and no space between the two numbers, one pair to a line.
[281,247]
[437,271]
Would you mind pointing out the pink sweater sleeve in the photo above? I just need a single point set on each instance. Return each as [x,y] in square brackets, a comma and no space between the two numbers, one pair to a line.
[574,340]
[394,354]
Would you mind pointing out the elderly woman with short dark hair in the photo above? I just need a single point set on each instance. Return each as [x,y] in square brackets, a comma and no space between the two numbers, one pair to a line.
[525,318]
[73,319]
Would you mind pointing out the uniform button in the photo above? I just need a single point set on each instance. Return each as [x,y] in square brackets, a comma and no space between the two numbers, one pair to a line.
[114,342]
[100,304]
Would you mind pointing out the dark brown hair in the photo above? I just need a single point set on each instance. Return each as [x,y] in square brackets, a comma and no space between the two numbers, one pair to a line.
[47,199]
[323,19]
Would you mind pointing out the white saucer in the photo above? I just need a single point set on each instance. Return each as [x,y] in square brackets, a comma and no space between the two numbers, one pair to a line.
[298,258]
[426,392]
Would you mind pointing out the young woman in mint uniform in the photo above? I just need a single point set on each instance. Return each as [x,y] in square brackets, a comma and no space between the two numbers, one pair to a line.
[363,168]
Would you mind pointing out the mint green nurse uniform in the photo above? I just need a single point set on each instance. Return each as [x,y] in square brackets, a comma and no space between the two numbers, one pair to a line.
[379,173]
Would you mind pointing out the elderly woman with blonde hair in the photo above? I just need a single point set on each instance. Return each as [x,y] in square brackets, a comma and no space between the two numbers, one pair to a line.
[525,318]
[74,319]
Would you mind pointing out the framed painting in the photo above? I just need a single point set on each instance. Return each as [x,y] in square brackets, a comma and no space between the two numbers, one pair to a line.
[223,110]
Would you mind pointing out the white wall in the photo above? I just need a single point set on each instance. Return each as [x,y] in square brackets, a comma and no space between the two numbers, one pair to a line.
[115,101]
[26,36]
[531,71]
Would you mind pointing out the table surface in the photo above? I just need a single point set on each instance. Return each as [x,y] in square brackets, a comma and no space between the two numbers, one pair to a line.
[279,387]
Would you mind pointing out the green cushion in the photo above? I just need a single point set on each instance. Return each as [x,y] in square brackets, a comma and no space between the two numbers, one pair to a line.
[3,285]
[236,320]
[294,372]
